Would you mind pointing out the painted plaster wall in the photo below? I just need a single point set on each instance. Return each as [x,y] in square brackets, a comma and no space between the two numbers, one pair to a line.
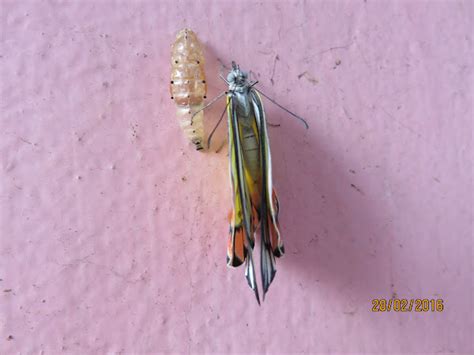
[113,230]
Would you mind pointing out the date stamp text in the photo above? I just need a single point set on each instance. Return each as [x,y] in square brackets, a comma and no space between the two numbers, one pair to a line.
[407,305]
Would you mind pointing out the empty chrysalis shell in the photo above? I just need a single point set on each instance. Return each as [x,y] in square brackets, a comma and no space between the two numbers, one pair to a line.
[188,85]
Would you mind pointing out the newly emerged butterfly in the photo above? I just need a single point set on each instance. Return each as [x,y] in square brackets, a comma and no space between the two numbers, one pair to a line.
[188,85]
[254,199]
[255,203]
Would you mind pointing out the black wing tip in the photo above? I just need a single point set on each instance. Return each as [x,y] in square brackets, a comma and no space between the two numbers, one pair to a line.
[255,290]
[266,283]
[234,262]
[258,297]
[265,289]
[279,251]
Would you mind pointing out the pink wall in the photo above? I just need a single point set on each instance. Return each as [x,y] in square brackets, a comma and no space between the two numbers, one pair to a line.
[113,230]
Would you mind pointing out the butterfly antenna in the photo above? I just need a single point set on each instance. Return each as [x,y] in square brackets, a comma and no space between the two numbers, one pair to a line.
[215,127]
[209,104]
[285,109]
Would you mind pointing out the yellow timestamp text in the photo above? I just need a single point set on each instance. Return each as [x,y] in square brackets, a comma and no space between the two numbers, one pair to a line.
[407,305]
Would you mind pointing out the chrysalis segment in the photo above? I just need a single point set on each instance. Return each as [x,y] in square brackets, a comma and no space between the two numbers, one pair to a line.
[188,85]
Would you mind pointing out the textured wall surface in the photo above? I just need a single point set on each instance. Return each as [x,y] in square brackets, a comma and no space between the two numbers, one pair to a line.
[113,229]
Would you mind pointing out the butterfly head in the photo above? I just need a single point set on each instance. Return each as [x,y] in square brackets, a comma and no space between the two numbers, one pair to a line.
[237,78]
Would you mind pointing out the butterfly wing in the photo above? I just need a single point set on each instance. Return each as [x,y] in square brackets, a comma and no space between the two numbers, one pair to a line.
[254,199]
[271,242]
[242,227]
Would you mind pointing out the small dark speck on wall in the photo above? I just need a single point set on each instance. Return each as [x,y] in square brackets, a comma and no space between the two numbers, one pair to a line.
[357,189]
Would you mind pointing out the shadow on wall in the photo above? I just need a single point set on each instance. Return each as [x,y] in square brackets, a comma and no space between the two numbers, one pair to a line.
[331,227]
[330,224]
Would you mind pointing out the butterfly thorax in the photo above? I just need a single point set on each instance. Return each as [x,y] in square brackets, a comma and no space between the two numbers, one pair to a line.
[240,92]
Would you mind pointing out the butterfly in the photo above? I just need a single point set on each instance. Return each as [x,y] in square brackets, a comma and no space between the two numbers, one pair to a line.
[255,202]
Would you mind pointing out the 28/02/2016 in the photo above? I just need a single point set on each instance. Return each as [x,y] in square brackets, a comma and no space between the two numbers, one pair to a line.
[407,305]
